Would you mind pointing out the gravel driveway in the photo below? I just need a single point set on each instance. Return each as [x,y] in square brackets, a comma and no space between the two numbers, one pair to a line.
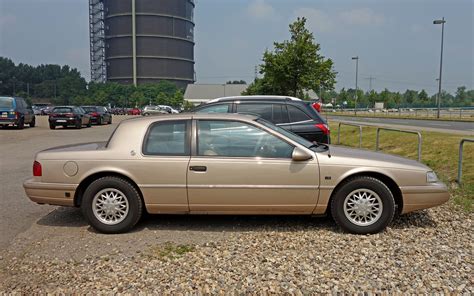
[425,252]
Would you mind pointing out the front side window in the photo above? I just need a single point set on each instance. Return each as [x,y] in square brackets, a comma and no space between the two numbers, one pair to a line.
[222,108]
[167,138]
[238,139]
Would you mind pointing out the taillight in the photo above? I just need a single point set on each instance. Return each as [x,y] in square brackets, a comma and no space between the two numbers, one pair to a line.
[69,115]
[37,172]
[317,106]
[95,114]
[324,128]
[17,115]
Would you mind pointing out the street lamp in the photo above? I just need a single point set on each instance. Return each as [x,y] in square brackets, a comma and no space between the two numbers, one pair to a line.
[357,74]
[440,22]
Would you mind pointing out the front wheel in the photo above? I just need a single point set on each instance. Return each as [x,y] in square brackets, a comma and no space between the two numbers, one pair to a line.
[112,205]
[33,122]
[363,205]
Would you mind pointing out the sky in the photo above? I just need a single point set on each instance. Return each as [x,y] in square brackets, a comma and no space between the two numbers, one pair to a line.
[396,41]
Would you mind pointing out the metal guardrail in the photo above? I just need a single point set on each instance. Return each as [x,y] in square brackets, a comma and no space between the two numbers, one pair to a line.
[402,131]
[461,145]
[349,124]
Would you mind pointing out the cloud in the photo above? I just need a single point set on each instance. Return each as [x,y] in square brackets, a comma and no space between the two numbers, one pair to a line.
[259,9]
[323,21]
[317,20]
[361,16]
[7,20]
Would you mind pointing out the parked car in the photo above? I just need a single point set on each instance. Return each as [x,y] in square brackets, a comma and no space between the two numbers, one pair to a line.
[15,111]
[134,111]
[46,110]
[99,115]
[36,110]
[153,110]
[227,164]
[290,113]
[168,109]
[69,115]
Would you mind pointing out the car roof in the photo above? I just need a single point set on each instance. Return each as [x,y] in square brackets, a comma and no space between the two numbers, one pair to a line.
[188,116]
[69,106]
[255,98]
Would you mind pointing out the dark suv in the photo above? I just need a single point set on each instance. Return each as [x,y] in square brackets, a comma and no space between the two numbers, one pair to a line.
[16,111]
[290,113]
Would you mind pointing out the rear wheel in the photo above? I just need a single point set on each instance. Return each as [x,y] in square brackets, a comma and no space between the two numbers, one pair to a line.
[21,124]
[363,205]
[79,124]
[99,121]
[110,119]
[52,126]
[33,122]
[112,205]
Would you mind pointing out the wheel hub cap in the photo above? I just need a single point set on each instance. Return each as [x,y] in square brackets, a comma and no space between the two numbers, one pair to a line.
[363,207]
[110,206]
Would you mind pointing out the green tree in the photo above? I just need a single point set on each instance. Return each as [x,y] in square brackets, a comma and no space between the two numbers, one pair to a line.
[294,66]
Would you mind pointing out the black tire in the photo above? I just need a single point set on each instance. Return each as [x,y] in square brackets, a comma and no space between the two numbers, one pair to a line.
[110,119]
[78,124]
[130,193]
[363,183]
[52,126]
[33,122]
[21,124]
[99,121]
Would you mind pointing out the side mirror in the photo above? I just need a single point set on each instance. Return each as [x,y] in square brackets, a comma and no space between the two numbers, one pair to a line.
[300,155]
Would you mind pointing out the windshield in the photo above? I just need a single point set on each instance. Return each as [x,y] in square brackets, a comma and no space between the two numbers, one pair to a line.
[292,136]
[6,103]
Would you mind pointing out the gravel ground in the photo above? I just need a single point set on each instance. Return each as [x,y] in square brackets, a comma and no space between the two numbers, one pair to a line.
[425,252]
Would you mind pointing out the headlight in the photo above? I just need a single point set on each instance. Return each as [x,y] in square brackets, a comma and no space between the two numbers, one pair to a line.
[431,177]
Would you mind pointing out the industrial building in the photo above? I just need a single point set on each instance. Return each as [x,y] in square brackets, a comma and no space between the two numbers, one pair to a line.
[142,41]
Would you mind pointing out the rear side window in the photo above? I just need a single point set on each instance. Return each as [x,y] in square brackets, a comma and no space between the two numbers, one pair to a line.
[297,114]
[167,138]
[262,110]
[221,108]
[6,103]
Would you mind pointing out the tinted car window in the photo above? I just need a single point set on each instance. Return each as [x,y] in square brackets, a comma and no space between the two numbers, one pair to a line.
[221,108]
[238,139]
[167,138]
[62,110]
[279,116]
[297,114]
[262,110]
[6,103]
[90,109]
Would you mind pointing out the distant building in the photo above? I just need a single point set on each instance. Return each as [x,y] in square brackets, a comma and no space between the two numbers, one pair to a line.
[201,93]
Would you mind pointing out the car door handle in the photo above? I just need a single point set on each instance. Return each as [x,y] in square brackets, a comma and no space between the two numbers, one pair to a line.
[198,168]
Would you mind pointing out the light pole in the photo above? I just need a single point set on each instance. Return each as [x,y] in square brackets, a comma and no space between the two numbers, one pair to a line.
[442,22]
[357,74]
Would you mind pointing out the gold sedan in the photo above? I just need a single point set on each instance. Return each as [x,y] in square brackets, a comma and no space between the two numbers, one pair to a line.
[228,164]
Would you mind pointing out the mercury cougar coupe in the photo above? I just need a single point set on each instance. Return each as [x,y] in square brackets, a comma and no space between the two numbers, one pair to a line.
[227,164]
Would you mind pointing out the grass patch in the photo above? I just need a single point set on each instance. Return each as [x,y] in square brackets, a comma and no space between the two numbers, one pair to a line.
[465,118]
[169,250]
[440,151]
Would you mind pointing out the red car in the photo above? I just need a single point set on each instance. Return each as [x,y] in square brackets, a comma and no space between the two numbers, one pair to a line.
[134,111]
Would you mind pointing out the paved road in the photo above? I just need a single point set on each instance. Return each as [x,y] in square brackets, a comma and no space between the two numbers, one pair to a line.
[17,151]
[444,126]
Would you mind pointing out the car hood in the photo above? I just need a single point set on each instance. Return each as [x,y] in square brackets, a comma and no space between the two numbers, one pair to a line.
[361,157]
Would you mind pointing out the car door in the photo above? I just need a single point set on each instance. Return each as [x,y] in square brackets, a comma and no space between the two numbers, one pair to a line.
[238,167]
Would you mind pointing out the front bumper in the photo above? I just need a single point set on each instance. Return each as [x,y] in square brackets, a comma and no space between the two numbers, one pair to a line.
[423,197]
[50,193]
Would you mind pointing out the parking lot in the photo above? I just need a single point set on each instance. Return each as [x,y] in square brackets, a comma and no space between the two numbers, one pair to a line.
[52,249]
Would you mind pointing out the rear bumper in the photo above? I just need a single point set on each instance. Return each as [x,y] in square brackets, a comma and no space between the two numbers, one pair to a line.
[50,193]
[8,121]
[423,197]
[62,121]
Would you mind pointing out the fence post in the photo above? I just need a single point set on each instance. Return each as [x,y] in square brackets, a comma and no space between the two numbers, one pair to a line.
[377,141]
[461,146]
[349,124]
